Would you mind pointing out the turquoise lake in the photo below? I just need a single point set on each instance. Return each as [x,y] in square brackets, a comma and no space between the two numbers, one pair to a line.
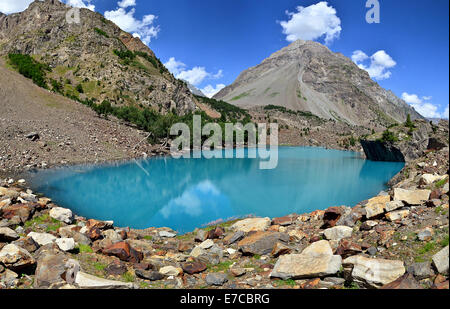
[187,193]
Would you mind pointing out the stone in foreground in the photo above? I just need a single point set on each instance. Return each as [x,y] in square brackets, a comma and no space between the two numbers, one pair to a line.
[374,272]
[61,214]
[15,258]
[338,232]
[411,197]
[86,281]
[315,261]
[261,242]
[252,224]
[440,261]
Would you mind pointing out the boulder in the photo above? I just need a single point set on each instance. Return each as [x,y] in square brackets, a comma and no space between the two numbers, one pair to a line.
[376,205]
[42,239]
[405,282]
[232,238]
[252,224]
[170,271]
[331,217]
[16,258]
[440,261]
[261,242]
[347,248]
[216,279]
[166,234]
[149,275]
[338,232]
[55,269]
[374,272]
[397,215]
[317,260]
[26,243]
[193,267]
[22,211]
[9,193]
[425,234]
[428,179]
[394,205]
[61,214]
[280,249]
[421,270]
[411,197]
[283,221]
[86,281]
[124,252]
[65,244]
[7,235]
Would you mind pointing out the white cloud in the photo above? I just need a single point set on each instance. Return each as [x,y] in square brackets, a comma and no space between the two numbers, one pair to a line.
[211,91]
[194,76]
[379,63]
[143,29]
[174,66]
[126,3]
[312,22]
[13,6]
[426,109]
[445,114]
[84,4]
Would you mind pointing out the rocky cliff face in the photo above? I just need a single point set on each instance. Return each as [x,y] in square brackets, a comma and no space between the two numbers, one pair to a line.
[407,145]
[307,76]
[84,54]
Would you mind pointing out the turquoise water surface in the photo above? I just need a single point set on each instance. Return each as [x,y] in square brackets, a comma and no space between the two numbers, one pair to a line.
[187,193]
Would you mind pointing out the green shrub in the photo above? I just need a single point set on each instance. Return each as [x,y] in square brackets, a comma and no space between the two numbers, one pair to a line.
[101,32]
[30,68]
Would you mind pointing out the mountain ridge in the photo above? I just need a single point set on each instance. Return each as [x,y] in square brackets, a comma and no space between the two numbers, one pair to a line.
[307,76]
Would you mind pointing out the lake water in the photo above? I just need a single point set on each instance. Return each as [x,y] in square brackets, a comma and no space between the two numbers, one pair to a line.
[187,193]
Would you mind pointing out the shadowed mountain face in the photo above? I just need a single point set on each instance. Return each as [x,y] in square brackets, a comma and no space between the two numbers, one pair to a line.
[307,76]
[86,54]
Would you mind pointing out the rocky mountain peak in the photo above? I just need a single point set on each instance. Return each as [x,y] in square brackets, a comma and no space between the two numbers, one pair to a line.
[108,63]
[307,76]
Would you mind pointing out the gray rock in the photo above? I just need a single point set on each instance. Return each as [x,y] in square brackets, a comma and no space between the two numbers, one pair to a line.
[421,270]
[7,234]
[42,239]
[236,237]
[216,279]
[55,270]
[65,244]
[440,261]
[149,275]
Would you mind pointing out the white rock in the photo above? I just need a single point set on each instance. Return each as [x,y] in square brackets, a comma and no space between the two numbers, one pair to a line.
[338,232]
[65,244]
[87,281]
[315,261]
[166,234]
[411,197]
[61,214]
[428,179]
[440,260]
[6,234]
[374,272]
[252,224]
[206,244]
[42,239]
[397,215]
[170,271]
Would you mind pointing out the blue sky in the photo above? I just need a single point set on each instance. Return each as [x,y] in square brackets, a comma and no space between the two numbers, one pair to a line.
[209,42]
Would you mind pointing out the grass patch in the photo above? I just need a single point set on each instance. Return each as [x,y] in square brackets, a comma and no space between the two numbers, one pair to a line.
[45,219]
[444,241]
[84,248]
[441,183]
[99,266]
[224,266]
[128,277]
[241,96]
[429,246]
[288,282]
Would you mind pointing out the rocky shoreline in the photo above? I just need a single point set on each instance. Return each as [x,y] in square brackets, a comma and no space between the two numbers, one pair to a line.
[398,239]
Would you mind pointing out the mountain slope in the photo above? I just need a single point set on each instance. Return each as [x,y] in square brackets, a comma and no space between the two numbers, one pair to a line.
[307,76]
[107,62]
